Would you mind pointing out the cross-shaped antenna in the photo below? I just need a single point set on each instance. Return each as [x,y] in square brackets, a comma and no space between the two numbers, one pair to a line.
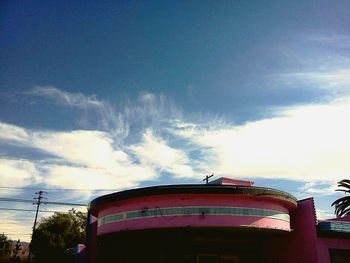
[206,179]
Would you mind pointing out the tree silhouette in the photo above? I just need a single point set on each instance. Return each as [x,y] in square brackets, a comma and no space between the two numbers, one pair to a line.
[5,245]
[342,205]
[57,233]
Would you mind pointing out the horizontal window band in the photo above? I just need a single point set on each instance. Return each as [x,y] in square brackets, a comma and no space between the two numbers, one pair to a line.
[192,211]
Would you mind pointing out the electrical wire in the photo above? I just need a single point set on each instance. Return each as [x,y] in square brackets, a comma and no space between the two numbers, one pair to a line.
[17,200]
[16,234]
[61,203]
[57,189]
[31,210]
[5,199]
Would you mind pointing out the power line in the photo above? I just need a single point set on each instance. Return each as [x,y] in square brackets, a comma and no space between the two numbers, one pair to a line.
[57,189]
[17,200]
[30,210]
[14,234]
[11,233]
[61,203]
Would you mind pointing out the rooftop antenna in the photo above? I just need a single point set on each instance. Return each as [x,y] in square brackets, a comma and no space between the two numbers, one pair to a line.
[206,179]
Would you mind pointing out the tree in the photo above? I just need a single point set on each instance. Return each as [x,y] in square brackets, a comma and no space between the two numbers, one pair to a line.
[342,205]
[5,245]
[57,233]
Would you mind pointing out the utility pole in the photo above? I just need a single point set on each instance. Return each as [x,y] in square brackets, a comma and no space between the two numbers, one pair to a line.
[38,203]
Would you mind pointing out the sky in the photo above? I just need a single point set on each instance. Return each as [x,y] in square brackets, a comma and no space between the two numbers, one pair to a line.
[103,96]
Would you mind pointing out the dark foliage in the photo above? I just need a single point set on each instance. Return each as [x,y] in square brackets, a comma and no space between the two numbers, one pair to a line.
[342,205]
[5,246]
[57,233]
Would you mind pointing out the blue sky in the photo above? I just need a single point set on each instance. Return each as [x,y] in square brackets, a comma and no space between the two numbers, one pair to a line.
[122,94]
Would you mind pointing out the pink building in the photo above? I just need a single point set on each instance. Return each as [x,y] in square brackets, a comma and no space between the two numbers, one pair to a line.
[226,221]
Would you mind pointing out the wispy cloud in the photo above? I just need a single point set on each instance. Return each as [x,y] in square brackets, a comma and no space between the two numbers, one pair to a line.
[17,172]
[100,158]
[94,114]
[319,188]
[147,110]
[12,133]
[11,225]
[323,214]
[155,152]
[333,40]
[335,80]
[318,62]
[58,96]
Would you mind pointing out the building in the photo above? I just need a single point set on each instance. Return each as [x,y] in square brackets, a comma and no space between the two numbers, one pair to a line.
[225,221]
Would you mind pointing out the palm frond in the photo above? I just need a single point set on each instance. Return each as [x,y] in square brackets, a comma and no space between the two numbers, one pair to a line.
[342,205]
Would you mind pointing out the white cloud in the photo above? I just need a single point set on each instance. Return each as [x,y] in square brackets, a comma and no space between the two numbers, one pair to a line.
[323,214]
[155,152]
[12,133]
[334,79]
[15,229]
[118,177]
[319,188]
[148,110]
[315,62]
[16,172]
[304,143]
[86,148]
[94,113]
[93,158]
[66,98]
[84,159]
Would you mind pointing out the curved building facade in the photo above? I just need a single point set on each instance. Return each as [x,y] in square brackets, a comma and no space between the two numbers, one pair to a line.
[211,205]
[226,221]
